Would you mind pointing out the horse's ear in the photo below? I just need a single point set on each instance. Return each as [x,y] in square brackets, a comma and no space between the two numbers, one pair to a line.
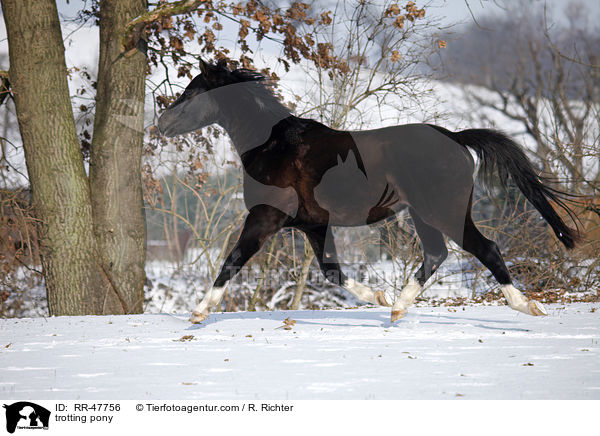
[222,64]
[204,67]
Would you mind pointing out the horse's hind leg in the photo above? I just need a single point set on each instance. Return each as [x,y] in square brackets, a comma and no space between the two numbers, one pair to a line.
[321,240]
[488,253]
[262,221]
[434,253]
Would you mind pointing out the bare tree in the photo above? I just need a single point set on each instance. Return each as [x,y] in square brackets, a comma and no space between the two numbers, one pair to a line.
[384,46]
[545,78]
[539,80]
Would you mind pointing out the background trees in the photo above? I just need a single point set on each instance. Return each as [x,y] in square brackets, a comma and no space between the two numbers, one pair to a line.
[536,75]
[544,77]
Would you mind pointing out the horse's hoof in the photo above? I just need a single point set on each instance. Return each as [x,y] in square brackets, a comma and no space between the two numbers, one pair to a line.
[536,308]
[198,317]
[397,314]
[381,300]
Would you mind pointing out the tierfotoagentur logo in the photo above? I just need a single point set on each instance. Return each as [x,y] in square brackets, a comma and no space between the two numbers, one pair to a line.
[26,415]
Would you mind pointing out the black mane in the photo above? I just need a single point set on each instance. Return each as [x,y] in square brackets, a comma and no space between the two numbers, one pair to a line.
[260,90]
[246,75]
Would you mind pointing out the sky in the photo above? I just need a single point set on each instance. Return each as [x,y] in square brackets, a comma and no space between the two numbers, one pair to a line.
[448,11]
[453,10]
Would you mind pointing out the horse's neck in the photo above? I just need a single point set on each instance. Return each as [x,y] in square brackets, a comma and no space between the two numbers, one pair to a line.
[251,127]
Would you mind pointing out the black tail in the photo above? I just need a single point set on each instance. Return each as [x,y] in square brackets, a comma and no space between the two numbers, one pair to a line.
[498,153]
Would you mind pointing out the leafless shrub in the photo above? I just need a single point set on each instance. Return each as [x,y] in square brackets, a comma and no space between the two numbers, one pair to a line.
[19,254]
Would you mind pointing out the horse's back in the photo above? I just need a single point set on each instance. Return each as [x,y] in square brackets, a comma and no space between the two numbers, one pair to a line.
[418,155]
[433,173]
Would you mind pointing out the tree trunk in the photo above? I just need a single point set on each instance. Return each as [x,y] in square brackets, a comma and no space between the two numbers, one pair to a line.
[115,167]
[75,281]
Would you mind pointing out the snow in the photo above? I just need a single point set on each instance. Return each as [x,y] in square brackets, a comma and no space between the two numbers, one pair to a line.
[473,352]
[478,352]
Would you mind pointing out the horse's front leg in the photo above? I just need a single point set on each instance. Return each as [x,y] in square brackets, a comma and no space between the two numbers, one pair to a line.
[321,240]
[262,221]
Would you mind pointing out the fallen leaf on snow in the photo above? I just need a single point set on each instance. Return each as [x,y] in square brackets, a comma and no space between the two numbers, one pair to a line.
[184,338]
[287,324]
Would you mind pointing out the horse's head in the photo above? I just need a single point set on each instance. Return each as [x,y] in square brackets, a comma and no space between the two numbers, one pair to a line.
[196,107]
[221,96]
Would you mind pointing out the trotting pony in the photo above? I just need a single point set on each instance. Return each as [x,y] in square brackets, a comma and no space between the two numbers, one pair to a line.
[300,173]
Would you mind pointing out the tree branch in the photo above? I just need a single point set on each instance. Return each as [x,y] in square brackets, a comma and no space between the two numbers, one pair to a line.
[136,27]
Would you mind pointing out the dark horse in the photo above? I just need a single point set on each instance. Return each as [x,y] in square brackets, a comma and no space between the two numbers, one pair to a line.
[300,173]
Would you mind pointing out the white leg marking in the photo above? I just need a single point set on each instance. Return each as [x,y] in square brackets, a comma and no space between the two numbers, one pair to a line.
[210,300]
[406,299]
[517,301]
[364,293]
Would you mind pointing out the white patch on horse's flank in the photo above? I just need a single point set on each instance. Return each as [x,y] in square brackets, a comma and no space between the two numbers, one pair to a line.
[365,293]
[517,301]
[476,161]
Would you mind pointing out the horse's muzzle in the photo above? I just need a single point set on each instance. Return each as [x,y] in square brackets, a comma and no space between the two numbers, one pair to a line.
[165,125]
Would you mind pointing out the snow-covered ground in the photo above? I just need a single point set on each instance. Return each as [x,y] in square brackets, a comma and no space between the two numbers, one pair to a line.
[475,352]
